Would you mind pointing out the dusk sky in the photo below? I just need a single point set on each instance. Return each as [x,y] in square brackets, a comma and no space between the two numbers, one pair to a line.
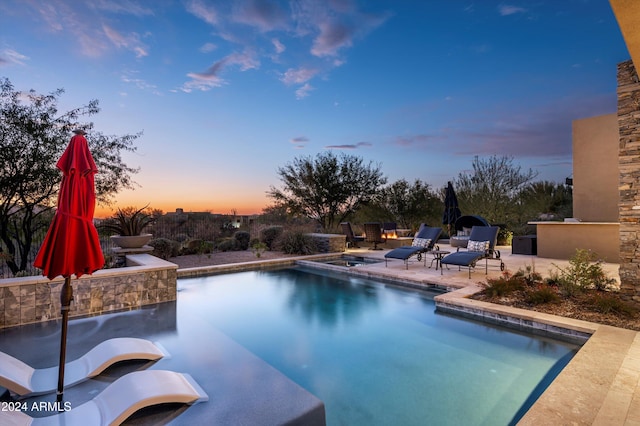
[225,92]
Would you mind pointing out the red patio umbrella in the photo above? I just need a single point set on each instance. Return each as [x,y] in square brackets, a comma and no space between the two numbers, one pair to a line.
[72,246]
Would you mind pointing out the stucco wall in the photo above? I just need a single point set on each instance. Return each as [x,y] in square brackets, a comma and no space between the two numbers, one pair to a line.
[595,168]
[559,240]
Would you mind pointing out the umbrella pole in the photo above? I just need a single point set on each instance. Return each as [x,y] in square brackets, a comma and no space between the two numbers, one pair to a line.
[66,296]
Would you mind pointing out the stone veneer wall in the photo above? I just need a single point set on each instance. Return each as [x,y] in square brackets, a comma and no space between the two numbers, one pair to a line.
[146,281]
[629,165]
[330,243]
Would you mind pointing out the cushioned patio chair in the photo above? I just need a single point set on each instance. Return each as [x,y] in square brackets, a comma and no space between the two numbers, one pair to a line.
[23,380]
[373,234]
[352,240]
[423,242]
[463,227]
[127,395]
[481,245]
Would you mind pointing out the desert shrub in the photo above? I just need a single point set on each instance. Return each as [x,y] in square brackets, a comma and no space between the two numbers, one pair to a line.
[505,237]
[503,285]
[542,294]
[228,244]
[181,238]
[296,242]
[258,247]
[529,275]
[197,246]
[610,303]
[270,235]
[243,238]
[584,272]
[164,248]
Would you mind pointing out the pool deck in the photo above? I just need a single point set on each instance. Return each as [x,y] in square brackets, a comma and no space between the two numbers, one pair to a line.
[601,384]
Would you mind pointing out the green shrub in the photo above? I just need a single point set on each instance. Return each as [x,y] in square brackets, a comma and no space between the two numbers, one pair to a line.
[542,294]
[270,235]
[164,248]
[529,275]
[610,303]
[197,247]
[258,247]
[503,286]
[243,238]
[296,242]
[228,244]
[584,272]
[505,237]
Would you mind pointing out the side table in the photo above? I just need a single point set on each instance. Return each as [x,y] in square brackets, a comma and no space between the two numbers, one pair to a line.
[437,257]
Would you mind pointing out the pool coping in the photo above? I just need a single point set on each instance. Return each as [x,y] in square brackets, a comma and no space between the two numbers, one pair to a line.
[600,385]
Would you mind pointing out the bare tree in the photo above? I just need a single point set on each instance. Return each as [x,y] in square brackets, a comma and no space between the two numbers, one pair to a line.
[327,188]
[491,190]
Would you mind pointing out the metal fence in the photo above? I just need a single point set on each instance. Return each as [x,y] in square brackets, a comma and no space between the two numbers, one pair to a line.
[181,228]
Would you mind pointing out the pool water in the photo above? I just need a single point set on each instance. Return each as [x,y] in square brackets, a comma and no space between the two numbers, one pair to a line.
[376,354]
[350,261]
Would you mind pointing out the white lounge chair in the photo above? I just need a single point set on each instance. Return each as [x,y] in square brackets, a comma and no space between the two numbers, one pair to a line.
[23,380]
[120,400]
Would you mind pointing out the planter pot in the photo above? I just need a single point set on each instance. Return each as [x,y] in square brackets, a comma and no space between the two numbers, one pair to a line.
[131,241]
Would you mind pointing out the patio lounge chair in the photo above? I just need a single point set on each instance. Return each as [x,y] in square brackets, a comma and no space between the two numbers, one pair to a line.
[23,380]
[481,245]
[352,240]
[373,231]
[463,227]
[119,400]
[424,241]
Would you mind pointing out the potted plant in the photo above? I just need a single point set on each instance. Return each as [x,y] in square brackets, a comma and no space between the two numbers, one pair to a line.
[129,224]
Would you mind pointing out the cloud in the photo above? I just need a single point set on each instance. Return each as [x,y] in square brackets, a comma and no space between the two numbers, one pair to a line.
[264,15]
[506,10]
[10,56]
[300,139]
[203,11]
[349,146]
[139,83]
[278,45]
[211,77]
[338,31]
[416,140]
[303,91]
[298,76]
[332,37]
[131,42]
[520,131]
[126,7]
[208,47]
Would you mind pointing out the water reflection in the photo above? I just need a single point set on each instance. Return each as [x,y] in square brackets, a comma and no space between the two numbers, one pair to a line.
[328,300]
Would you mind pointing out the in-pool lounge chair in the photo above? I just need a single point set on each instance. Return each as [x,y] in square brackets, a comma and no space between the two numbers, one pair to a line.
[23,380]
[119,400]
[352,240]
[424,241]
[481,245]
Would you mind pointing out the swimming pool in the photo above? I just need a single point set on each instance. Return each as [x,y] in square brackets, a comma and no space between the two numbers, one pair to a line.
[350,261]
[376,353]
